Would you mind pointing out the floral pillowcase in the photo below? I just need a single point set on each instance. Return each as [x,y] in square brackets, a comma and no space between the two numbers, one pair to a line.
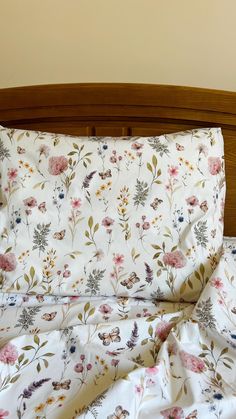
[140,217]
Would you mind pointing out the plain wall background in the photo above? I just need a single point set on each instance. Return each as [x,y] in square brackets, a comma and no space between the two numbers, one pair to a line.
[182,42]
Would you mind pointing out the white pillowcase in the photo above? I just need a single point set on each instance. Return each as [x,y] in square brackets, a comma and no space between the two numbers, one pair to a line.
[139,217]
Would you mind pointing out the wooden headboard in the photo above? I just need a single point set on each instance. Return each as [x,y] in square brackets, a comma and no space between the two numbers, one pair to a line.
[126,109]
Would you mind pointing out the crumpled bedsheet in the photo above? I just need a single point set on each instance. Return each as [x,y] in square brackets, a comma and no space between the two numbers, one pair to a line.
[117,358]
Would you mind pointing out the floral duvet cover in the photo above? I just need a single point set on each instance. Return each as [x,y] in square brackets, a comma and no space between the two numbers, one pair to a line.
[117,358]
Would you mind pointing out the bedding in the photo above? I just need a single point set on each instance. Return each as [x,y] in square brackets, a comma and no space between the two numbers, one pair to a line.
[130,217]
[162,346]
[120,357]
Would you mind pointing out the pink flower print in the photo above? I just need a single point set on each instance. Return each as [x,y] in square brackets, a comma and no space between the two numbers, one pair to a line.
[44,150]
[30,202]
[163,329]
[175,259]
[214,165]
[217,283]
[12,174]
[192,200]
[57,165]
[118,259]
[173,171]
[82,357]
[3,413]
[89,367]
[8,262]
[78,368]
[76,203]
[8,354]
[136,146]
[105,309]
[173,413]
[107,222]
[192,362]
[151,370]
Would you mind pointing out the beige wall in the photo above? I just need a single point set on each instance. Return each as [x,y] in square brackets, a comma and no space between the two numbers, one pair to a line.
[183,42]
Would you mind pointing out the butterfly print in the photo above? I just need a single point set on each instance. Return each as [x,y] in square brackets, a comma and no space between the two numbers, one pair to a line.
[129,282]
[106,174]
[20,150]
[40,298]
[65,385]
[42,207]
[155,204]
[204,206]
[120,413]
[59,235]
[108,338]
[49,316]
[179,147]
[192,415]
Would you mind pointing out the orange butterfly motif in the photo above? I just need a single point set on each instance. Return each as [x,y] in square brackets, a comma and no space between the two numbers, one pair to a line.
[192,415]
[129,282]
[108,338]
[155,204]
[20,150]
[204,206]
[40,298]
[179,147]
[64,385]
[59,235]
[42,207]
[106,174]
[120,413]
[49,316]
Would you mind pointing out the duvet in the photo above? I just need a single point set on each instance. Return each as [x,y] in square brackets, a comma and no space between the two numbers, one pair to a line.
[117,358]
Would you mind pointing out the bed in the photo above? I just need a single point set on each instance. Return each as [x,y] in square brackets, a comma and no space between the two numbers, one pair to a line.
[65,355]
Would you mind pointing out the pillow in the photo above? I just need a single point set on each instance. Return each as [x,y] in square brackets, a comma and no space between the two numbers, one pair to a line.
[230,246]
[140,217]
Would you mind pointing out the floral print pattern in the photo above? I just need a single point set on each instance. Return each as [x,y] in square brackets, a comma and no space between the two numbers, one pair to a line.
[73,202]
[67,356]
[120,300]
